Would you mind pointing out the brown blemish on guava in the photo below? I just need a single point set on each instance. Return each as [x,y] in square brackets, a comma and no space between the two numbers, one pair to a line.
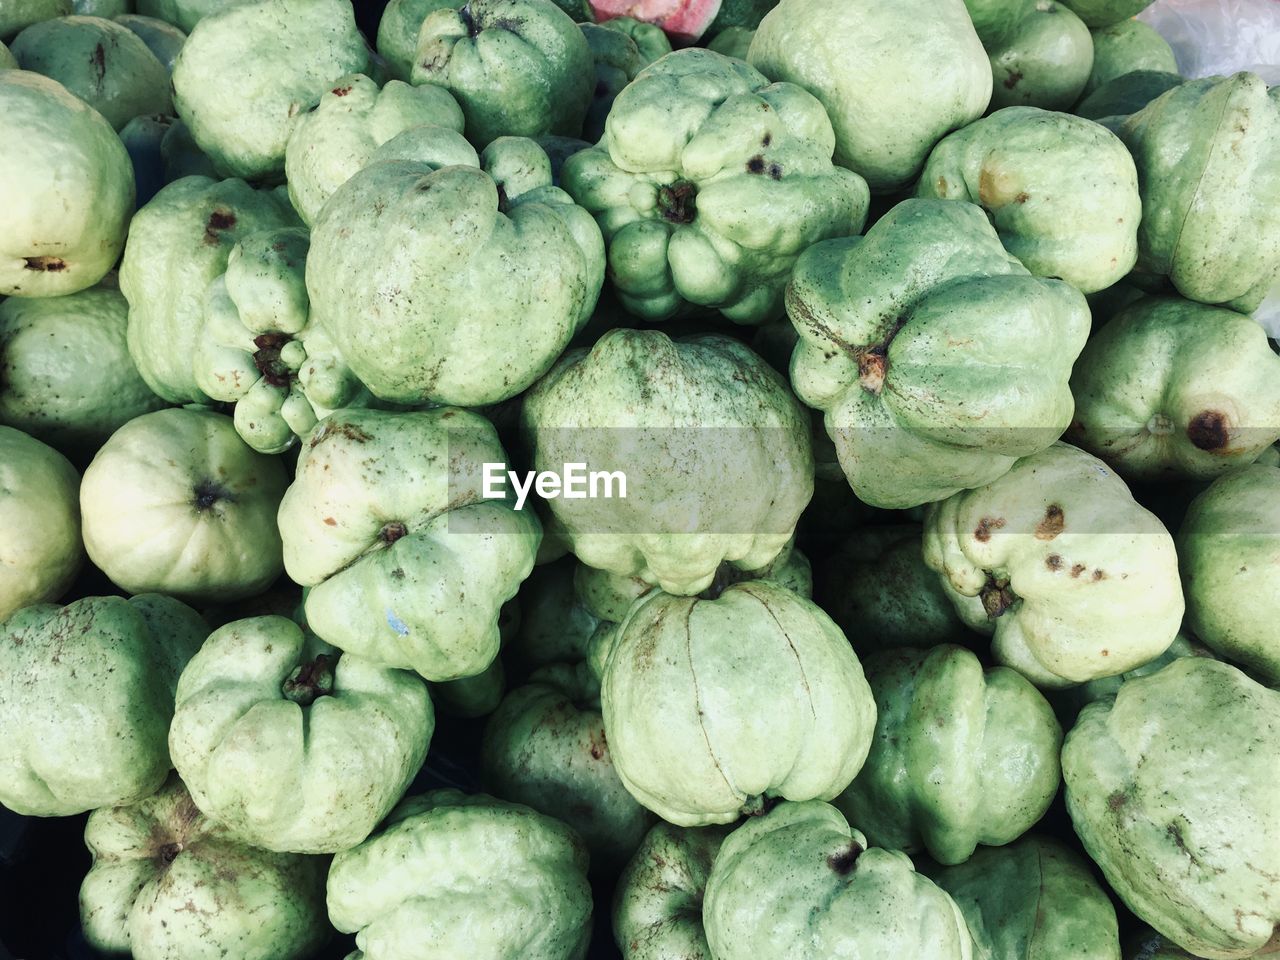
[678,202]
[330,522]
[1077,569]
[768,139]
[1208,430]
[267,359]
[45,264]
[309,681]
[393,531]
[340,91]
[982,533]
[844,861]
[1012,79]
[1117,800]
[1022,198]
[218,221]
[1052,524]
[348,431]
[997,597]
[755,164]
[1054,562]
[1099,575]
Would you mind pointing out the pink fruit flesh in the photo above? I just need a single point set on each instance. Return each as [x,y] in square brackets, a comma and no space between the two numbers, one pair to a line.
[683,20]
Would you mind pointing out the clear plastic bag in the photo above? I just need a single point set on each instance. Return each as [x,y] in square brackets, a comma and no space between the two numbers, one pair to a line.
[1218,37]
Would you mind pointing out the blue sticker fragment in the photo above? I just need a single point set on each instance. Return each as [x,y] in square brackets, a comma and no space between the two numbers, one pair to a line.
[396,624]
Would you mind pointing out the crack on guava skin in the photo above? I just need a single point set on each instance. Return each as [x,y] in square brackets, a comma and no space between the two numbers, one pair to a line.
[997,597]
[678,202]
[1208,430]
[45,264]
[469,21]
[844,861]
[207,493]
[267,359]
[99,62]
[309,681]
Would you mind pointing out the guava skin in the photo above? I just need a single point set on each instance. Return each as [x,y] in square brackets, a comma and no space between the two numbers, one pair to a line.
[1180,811]
[699,734]
[41,551]
[354,118]
[799,883]
[1034,898]
[1125,47]
[18,14]
[708,183]
[1103,13]
[1075,579]
[1229,548]
[996,20]
[494,273]
[168,883]
[1171,388]
[408,564]
[102,62]
[452,875]
[241,101]
[66,189]
[639,398]
[1208,160]
[163,39]
[177,503]
[895,78]
[1044,62]
[883,322]
[398,30]
[545,746]
[1124,96]
[1061,191]
[878,588]
[519,68]
[178,244]
[657,903]
[259,349]
[86,696]
[293,746]
[962,756]
[66,376]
